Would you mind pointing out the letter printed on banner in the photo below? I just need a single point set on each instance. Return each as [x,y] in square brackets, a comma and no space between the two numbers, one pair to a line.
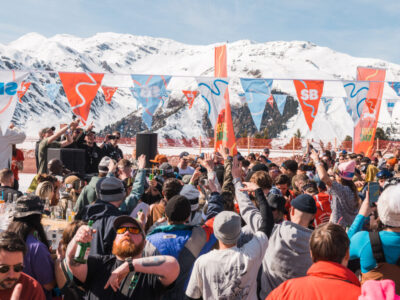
[9,83]
[108,92]
[190,96]
[80,89]
[309,93]
[23,89]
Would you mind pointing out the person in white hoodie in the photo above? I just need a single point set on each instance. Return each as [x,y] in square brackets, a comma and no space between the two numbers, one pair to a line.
[288,253]
[7,139]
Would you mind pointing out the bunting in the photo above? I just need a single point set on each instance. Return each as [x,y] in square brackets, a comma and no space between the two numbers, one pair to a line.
[395,86]
[23,89]
[80,89]
[327,103]
[309,93]
[390,106]
[108,92]
[190,96]
[9,83]
[150,91]
[257,91]
[270,101]
[280,100]
[52,90]
[356,96]
[347,104]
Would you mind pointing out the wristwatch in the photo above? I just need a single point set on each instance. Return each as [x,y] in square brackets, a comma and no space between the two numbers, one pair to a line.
[130,264]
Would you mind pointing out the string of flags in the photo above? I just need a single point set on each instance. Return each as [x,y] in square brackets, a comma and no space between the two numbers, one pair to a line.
[151,92]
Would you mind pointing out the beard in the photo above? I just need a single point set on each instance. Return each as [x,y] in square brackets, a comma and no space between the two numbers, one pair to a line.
[8,283]
[126,248]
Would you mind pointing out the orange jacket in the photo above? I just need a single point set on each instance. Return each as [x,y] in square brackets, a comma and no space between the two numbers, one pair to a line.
[325,280]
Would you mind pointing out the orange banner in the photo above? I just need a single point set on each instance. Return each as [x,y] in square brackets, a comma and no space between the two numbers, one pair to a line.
[223,131]
[23,89]
[190,96]
[80,89]
[364,132]
[309,93]
[108,92]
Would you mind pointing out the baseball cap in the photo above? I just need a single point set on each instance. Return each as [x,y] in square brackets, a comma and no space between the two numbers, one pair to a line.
[304,203]
[159,159]
[126,219]
[184,154]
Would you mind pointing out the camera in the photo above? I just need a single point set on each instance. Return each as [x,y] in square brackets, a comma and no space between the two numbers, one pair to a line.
[112,137]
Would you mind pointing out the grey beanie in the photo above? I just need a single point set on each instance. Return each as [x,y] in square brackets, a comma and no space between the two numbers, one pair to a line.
[192,194]
[227,227]
[110,189]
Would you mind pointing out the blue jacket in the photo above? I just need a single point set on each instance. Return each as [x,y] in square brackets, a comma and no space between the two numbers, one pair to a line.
[181,241]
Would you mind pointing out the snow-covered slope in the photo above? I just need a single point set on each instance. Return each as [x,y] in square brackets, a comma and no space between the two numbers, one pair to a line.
[124,54]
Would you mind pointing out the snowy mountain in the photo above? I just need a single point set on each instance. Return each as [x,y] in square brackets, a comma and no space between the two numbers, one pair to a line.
[122,54]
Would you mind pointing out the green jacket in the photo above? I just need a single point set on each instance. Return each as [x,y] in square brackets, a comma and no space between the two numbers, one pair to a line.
[88,195]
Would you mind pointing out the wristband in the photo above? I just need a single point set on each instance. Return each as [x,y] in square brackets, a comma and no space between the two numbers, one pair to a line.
[130,264]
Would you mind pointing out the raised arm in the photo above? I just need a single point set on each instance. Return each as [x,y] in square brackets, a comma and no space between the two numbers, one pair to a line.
[131,201]
[227,185]
[61,131]
[83,235]
[323,175]
[164,266]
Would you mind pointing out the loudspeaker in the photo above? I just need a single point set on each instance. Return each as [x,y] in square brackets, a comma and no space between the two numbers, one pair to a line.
[73,159]
[146,143]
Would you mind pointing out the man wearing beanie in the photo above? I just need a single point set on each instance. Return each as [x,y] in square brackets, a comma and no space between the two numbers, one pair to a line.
[288,252]
[179,240]
[231,272]
[88,194]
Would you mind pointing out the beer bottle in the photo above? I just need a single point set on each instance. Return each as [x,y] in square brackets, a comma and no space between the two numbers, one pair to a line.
[83,249]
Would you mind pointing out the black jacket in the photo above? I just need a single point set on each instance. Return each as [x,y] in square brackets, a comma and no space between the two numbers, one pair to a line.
[103,215]
[112,152]
[93,157]
[5,190]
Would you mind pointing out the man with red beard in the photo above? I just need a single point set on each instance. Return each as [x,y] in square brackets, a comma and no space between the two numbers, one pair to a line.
[125,274]
[14,284]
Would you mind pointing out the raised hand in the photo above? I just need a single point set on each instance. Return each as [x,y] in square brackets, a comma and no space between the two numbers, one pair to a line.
[236,168]
[250,187]
[142,161]
[207,162]
[223,151]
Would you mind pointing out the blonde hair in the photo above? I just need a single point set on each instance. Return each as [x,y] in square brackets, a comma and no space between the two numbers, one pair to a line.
[44,189]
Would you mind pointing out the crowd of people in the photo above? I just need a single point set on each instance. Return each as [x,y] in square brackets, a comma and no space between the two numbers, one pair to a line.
[322,225]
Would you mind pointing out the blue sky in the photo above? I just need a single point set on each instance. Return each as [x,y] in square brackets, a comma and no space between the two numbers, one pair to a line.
[364,28]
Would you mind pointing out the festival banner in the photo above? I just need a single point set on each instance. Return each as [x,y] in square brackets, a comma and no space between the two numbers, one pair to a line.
[257,91]
[270,101]
[108,92]
[364,132]
[356,94]
[395,86]
[280,100]
[390,106]
[80,89]
[52,90]
[309,93]
[190,96]
[9,83]
[150,92]
[242,98]
[23,89]
[327,103]
[223,133]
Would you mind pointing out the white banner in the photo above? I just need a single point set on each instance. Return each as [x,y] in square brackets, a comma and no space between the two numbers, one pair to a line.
[9,83]
[356,94]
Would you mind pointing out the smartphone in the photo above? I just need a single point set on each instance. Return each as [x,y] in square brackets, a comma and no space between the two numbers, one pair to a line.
[374,192]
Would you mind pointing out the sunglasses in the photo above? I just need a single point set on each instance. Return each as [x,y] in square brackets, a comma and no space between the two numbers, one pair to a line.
[133,230]
[6,268]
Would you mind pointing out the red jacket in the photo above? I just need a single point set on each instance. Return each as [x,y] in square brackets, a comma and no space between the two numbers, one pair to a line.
[325,280]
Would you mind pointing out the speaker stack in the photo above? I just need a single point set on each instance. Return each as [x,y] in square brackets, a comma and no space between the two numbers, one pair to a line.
[146,143]
[73,159]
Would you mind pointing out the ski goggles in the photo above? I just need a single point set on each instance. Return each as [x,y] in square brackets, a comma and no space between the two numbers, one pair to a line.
[133,230]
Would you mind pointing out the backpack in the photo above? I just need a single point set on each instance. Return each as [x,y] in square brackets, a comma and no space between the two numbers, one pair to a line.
[383,270]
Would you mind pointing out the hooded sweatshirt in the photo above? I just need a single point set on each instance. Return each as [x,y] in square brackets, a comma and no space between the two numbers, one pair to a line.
[288,252]
[103,214]
[88,195]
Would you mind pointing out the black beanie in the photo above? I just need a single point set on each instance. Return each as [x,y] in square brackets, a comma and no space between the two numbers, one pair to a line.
[178,209]
[304,203]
